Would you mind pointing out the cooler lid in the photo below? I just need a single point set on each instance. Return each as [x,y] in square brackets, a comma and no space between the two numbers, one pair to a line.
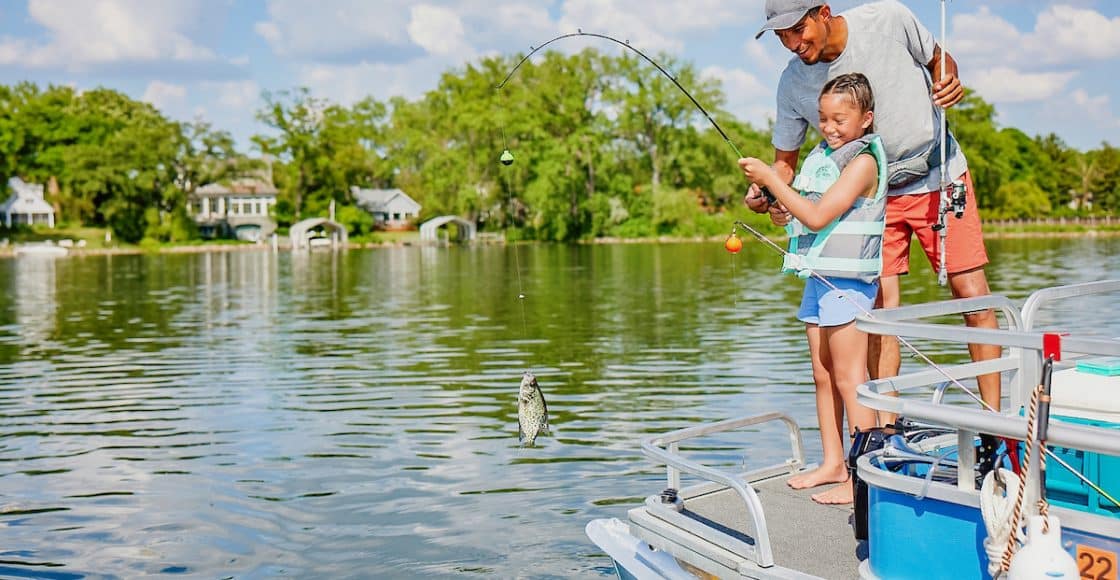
[1087,395]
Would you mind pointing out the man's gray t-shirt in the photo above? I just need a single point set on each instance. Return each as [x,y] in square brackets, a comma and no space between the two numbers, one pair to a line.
[891,48]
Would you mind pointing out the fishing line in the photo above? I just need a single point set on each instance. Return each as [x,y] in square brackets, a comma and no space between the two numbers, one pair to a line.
[757,234]
[506,159]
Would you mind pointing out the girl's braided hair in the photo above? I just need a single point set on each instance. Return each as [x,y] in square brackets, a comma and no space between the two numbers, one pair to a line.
[855,86]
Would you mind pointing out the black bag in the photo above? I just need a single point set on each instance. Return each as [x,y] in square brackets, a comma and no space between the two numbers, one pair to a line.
[862,442]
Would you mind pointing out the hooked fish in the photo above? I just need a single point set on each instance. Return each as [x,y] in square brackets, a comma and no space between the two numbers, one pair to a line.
[532,411]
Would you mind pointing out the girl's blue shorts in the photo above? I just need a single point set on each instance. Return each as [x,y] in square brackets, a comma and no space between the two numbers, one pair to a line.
[824,306]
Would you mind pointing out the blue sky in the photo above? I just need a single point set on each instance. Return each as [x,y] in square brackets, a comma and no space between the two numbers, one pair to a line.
[1047,66]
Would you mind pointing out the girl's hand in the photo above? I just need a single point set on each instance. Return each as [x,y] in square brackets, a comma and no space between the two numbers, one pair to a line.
[756,171]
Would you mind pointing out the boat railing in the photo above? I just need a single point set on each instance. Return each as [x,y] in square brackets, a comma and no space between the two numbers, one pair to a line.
[1025,344]
[665,449]
[1024,361]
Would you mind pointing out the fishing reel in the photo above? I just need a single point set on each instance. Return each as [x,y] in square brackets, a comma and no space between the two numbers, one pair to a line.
[957,198]
[953,201]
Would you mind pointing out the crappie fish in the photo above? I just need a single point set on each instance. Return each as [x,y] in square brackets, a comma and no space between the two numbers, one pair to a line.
[532,411]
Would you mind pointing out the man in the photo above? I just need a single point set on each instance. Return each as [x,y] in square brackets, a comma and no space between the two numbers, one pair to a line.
[884,41]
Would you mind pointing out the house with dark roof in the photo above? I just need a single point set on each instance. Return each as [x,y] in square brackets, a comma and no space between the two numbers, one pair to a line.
[391,208]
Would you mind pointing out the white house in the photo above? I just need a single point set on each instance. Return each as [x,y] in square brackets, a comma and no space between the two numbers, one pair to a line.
[26,205]
[391,208]
[241,207]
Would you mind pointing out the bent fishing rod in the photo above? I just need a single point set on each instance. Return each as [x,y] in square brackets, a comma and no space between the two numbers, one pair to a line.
[625,44]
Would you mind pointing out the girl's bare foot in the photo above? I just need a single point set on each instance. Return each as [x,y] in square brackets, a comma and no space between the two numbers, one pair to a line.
[819,476]
[839,495]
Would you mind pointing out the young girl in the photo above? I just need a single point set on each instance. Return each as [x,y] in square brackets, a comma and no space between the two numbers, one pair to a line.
[838,204]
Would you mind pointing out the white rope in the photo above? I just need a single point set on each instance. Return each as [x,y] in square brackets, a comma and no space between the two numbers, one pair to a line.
[997,506]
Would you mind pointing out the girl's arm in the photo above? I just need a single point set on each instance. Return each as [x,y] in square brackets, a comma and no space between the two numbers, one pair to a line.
[857,179]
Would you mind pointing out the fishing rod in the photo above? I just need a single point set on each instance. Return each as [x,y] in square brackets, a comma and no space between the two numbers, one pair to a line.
[733,245]
[625,44]
[951,193]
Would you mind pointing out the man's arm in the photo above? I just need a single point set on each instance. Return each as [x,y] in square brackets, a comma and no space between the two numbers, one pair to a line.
[947,89]
[784,164]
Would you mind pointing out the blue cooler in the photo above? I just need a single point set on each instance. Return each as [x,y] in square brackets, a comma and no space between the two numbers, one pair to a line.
[1087,395]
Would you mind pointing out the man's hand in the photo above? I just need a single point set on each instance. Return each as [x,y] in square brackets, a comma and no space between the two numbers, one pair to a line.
[948,91]
[779,215]
[755,200]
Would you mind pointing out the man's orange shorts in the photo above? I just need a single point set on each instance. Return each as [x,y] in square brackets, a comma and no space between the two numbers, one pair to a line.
[916,214]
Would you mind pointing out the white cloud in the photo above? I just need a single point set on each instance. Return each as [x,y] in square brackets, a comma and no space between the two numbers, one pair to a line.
[983,35]
[347,83]
[96,32]
[1008,85]
[658,25]
[234,94]
[1077,33]
[533,20]
[747,97]
[350,32]
[762,59]
[1097,108]
[738,82]
[438,31]
[166,97]
[413,44]
[334,27]
[1062,34]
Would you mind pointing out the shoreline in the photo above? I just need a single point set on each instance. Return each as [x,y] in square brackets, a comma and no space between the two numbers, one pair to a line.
[10,251]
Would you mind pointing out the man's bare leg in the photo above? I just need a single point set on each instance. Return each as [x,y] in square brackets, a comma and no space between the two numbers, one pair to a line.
[883,357]
[969,284]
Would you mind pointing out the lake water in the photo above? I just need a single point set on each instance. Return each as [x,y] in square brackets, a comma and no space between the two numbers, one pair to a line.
[254,415]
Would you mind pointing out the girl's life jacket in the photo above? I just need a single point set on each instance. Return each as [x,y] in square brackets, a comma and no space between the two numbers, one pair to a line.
[851,246]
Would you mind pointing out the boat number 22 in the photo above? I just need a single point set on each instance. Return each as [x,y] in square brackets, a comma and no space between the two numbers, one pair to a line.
[1095,563]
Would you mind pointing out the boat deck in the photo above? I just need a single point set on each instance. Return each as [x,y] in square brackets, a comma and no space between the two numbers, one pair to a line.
[807,539]
[807,536]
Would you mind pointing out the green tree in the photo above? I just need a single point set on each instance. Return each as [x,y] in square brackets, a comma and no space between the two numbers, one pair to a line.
[323,149]
[1106,193]
[1020,199]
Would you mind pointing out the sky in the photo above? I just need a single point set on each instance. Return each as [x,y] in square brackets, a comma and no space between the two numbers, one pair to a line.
[1049,67]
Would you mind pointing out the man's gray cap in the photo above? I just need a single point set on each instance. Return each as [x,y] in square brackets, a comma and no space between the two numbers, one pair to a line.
[783,14]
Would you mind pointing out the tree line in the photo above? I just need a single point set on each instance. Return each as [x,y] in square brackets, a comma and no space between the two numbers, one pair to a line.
[603,145]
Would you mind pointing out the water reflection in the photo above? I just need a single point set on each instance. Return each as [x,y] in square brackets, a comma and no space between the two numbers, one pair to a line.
[35,300]
[352,414]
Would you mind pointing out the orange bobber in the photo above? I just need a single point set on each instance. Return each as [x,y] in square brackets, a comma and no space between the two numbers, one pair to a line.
[733,244]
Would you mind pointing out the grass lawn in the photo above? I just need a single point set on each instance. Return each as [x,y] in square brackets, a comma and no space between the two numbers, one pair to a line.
[390,237]
[94,237]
